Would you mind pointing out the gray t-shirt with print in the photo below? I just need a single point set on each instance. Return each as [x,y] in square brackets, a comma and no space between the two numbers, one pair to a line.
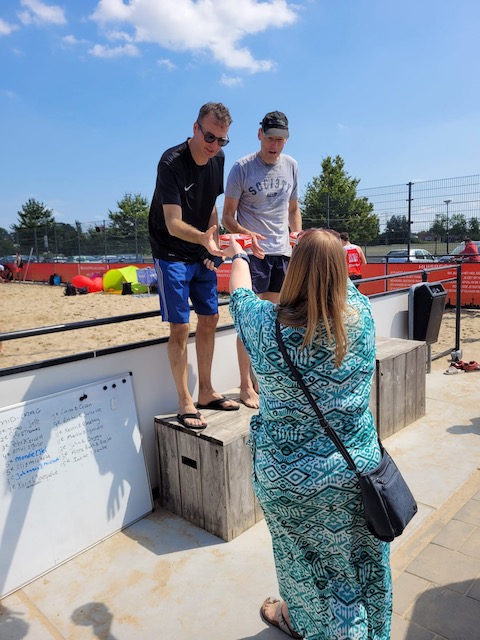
[263,192]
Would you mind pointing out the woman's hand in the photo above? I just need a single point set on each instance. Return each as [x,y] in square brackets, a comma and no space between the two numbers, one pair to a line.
[233,248]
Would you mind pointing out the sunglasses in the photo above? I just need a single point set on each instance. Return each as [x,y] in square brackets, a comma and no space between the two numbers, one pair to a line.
[209,137]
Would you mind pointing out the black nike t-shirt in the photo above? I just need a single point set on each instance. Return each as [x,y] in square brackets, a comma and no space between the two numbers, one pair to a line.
[195,189]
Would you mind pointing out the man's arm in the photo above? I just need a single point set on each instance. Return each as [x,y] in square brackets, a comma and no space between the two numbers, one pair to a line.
[231,224]
[294,216]
[229,221]
[180,229]
[363,259]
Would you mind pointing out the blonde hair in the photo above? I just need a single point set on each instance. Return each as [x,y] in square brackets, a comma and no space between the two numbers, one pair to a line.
[314,293]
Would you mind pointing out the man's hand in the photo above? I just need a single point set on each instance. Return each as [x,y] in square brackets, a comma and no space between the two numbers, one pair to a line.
[213,256]
[257,250]
[209,241]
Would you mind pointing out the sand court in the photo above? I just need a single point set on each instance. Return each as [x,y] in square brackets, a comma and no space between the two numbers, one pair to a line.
[27,306]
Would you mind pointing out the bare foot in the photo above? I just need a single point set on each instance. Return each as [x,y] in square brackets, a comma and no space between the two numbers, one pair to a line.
[190,417]
[249,397]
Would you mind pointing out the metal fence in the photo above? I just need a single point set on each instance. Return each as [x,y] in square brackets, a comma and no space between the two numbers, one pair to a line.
[436,215]
[84,242]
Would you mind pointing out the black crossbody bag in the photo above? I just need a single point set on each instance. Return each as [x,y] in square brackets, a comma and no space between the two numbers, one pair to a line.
[387,501]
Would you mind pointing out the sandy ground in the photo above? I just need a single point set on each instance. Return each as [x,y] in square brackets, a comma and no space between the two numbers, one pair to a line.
[25,306]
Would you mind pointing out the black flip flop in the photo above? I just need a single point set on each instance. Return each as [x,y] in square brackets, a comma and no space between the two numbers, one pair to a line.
[183,417]
[219,405]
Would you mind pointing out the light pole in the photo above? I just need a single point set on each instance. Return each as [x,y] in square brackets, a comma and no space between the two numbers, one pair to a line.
[447,202]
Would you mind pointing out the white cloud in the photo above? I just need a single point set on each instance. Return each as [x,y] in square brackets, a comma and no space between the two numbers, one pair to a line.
[165,62]
[229,81]
[119,35]
[6,28]
[71,39]
[40,13]
[213,26]
[101,51]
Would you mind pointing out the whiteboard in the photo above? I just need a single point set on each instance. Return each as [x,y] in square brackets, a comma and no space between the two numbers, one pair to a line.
[72,472]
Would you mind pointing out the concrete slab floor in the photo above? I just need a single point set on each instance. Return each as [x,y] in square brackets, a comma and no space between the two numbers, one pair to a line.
[165,578]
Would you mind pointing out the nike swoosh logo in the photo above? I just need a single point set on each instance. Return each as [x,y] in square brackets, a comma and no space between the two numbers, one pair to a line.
[189,187]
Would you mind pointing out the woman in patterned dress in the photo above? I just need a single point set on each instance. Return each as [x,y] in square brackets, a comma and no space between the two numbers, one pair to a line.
[334,576]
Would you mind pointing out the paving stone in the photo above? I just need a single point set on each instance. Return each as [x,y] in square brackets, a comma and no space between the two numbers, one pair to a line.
[470,513]
[474,591]
[453,534]
[445,612]
[476,496]
[406,590]
[407,630]
[471,546]
[444,566]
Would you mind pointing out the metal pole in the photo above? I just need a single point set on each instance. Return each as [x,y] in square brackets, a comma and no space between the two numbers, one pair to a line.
[447,202]
[328,210]
[136,238]
[105,241]
[409,232]
[458,307]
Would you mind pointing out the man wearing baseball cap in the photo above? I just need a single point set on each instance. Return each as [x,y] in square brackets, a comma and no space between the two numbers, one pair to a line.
[261,200]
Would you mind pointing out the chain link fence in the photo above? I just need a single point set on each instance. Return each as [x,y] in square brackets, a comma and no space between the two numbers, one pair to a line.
[435,215]
[84,242]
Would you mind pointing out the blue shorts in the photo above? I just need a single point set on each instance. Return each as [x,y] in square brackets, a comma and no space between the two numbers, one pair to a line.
[177,282]
[268,273]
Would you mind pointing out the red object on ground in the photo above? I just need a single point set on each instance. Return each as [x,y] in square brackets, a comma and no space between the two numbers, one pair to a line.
[243,240]
[93,285]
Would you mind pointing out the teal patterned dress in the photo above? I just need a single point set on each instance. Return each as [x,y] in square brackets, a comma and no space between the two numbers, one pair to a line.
[333,574]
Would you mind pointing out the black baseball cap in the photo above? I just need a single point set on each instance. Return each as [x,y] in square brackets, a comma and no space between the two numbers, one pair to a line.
[275,123]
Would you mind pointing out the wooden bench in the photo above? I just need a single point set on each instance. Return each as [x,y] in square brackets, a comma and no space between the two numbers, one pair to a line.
[205,476]
[399,384]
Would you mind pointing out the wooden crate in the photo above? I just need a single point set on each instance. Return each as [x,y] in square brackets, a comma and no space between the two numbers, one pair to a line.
[205,476]
[399,384]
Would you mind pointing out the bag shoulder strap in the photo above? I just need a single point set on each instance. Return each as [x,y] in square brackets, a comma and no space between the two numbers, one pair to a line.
[323,421]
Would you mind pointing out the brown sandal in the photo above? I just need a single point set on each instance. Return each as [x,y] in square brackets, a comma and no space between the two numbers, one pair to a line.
[279,620]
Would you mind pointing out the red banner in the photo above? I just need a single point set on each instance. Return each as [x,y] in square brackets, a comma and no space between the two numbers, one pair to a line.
[41,272]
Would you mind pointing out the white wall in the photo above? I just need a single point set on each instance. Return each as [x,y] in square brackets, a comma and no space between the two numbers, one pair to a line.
[153,385]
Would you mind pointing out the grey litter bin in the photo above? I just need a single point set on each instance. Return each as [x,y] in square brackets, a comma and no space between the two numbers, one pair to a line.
[426,303]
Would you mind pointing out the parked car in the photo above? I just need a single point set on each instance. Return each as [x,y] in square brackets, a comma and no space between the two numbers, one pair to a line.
[416,255]
[130,258]
[453,255]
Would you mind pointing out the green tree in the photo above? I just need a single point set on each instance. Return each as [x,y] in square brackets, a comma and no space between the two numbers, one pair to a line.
[474,229]
[7,244]
[396,230]
[331,201]
[63,239]
[34,223]
[128,228]
[34,214]
[439,227]
[457,227]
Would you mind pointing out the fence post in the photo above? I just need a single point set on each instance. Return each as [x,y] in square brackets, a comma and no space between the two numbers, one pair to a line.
[409,231]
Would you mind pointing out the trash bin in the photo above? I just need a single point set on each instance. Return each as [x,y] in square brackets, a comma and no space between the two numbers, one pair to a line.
[426,303]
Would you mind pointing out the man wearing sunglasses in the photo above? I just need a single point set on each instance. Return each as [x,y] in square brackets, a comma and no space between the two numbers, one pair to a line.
[183,225]
[261,200]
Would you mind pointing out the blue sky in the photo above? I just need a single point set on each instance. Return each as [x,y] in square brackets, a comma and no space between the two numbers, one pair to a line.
[92,92]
